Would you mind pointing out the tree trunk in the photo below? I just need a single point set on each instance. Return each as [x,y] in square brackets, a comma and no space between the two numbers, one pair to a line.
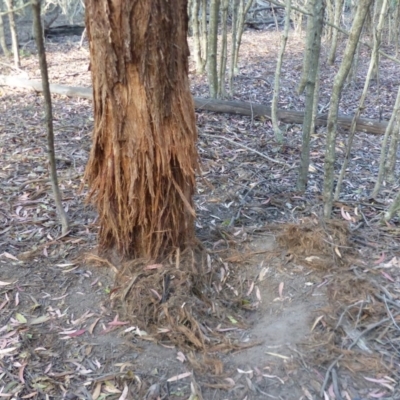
[336,21]
[274,105]
[204,34]
[241,19]
[14,34]
[232,72]
[314,35]
[141,170]
[372,65]
[338,84]
[309,42]
[388,133]
[390,164]
[212,49]
[224,49]
[2,34]
[396,24]
[197,56]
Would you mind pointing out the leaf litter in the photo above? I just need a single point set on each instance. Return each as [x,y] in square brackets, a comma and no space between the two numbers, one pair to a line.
[65,332]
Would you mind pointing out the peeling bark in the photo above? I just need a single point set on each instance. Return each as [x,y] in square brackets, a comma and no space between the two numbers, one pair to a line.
[141,171]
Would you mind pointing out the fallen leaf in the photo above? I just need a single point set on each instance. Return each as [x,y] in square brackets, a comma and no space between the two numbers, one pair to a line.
[233,320]
[280,290]
[20,318]
[179,377]
[39,320]
[6,351]
[125,392]
[10,256]
[316,322]
[77,333]
[153,266]
[96,391]
[181,357]
[338,252]
[5,283]
[278,355]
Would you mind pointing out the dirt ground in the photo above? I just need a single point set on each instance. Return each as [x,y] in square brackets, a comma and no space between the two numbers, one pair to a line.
[311,308]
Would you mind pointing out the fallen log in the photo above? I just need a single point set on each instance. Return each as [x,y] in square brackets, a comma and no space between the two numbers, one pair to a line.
[220,106]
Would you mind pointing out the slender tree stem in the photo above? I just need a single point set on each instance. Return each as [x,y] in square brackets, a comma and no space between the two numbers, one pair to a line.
[48,115]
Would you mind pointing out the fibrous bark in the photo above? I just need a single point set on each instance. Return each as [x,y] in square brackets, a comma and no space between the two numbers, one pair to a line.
[141,171]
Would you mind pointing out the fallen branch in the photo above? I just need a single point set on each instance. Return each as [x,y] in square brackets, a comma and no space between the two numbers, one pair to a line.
[232,107]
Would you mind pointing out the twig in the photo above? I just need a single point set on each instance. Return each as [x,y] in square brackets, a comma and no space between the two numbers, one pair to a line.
[335,385]
[334,362]
[328,372]
[390,314]
[245,147]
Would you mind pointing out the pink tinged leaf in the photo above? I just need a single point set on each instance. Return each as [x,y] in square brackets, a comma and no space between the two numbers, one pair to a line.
[331,391]
[153,266]
[387,276]
[77,333]
[17,299]
[8,335]
[156,293]
[230,382]
[10,256]
[115,322]
[21,372]
[345,214]
[383,382]
[381,259]
[376,395]
[48,368]
[95,281]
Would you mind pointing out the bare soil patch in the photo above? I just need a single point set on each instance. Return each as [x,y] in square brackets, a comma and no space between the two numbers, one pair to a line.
[309,302]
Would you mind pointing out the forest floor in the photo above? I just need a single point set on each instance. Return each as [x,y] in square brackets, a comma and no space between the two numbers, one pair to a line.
[315,305]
